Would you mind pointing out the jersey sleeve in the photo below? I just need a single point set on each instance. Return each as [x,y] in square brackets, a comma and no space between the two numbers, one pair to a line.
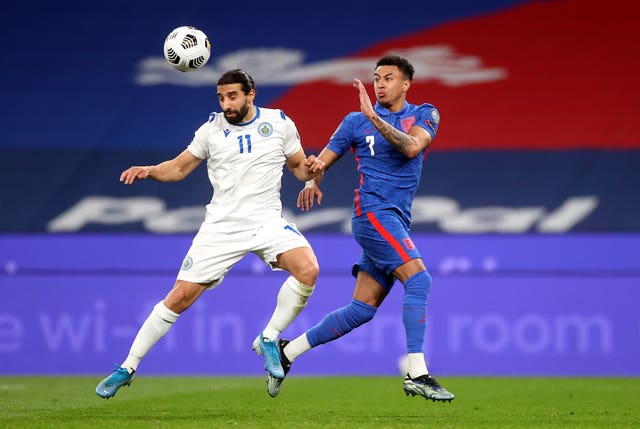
[291,137]
[429,119]
[340,141]
[198,146]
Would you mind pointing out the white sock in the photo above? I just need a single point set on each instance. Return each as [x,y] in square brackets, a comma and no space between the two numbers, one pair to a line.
[154,328]
[296,347]
[292,298]
[417,365]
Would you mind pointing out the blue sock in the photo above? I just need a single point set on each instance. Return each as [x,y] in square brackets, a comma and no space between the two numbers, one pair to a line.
[339,322]
[414,310]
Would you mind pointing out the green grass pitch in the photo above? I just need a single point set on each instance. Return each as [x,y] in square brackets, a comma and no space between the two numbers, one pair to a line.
[319,402]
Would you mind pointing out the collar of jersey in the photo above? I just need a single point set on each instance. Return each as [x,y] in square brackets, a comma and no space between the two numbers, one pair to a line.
[386,112]
[244,124]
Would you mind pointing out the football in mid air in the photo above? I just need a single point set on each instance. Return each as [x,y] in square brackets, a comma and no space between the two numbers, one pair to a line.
[187,48]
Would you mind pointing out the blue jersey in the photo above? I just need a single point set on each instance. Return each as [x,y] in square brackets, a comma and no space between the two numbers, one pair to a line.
[388,179]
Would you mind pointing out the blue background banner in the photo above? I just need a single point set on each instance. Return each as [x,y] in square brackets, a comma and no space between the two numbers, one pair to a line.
[460,193]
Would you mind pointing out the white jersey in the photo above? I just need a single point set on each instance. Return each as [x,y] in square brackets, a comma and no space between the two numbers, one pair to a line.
[245,163]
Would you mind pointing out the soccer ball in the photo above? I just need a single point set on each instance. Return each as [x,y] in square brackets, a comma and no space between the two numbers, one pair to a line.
[187,49]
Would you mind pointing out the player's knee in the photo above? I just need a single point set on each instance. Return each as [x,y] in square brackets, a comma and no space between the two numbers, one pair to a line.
[359,313]
[418,285]
[307,273]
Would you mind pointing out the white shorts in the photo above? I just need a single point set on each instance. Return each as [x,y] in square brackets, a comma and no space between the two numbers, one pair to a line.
[213,254]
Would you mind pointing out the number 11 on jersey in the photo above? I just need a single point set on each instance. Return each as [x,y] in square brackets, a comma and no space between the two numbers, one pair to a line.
[241,140]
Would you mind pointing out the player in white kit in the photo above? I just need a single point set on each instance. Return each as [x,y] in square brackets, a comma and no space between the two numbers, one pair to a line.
[245,147]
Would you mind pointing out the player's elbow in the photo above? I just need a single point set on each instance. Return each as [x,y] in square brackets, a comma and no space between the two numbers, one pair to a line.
[412,152]
[416,147]
[178,176]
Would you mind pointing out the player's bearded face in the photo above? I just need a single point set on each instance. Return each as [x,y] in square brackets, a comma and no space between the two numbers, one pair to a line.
[236,105]
[235,116]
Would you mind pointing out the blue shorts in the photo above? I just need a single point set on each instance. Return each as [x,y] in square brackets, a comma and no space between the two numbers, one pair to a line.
[385,244]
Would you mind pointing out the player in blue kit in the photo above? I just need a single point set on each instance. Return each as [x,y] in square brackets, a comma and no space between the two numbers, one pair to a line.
[390,142]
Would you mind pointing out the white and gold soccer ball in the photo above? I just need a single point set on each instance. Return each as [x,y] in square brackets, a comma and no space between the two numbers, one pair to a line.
[187,48]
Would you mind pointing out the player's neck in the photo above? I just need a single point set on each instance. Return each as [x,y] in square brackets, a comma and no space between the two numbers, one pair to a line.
[394,107]
[250,114]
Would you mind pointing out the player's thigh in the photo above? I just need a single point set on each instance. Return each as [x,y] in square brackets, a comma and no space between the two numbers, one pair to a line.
[378,273]
[281,246]
[211,256]
[384,239]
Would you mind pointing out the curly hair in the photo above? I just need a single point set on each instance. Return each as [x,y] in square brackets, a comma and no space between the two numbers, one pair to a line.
[393,60]
[238,76]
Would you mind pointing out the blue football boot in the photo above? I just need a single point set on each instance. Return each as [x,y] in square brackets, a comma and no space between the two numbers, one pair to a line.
[110,385]
[271,353]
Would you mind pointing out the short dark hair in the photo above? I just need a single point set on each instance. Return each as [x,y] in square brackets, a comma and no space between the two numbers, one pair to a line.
[238,76]
[393,60]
